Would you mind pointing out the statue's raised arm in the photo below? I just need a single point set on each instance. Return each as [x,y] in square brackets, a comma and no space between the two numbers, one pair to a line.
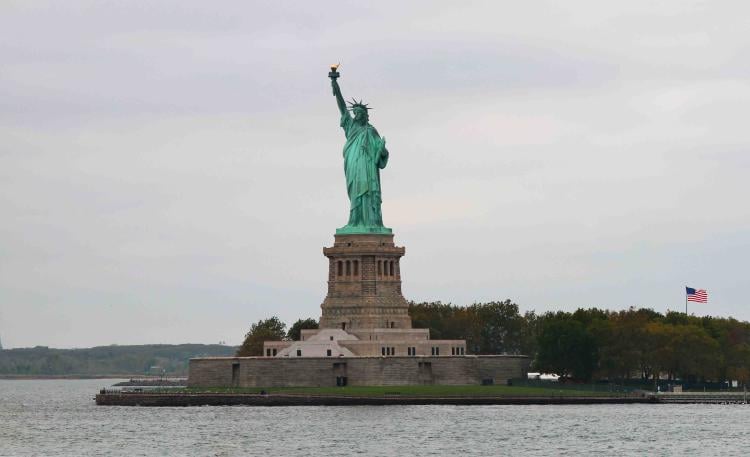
[337,90]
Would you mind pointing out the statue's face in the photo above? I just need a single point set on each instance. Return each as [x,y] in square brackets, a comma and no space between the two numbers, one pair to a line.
[361,116]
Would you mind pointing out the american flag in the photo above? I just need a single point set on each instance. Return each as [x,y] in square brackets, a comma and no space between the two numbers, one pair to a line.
[696,295]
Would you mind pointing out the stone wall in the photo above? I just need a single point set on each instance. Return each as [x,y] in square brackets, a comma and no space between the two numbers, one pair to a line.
[359,371]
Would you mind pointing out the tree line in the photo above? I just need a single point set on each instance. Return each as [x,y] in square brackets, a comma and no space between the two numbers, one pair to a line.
[588,344]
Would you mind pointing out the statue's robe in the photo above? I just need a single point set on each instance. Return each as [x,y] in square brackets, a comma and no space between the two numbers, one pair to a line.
[364,156]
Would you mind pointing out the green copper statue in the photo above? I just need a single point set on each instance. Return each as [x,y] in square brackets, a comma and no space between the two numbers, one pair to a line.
[364,155]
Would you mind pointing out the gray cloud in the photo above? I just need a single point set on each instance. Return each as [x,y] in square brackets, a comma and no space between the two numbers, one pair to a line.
[170,172]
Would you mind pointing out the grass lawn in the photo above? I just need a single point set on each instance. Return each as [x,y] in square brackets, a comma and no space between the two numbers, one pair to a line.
[422,390]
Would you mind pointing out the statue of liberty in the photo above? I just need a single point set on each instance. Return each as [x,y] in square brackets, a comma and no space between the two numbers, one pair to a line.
[364,155]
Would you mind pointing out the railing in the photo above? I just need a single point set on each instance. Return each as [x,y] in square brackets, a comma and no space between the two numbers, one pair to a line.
[143,389]
[575,386]
[106,391]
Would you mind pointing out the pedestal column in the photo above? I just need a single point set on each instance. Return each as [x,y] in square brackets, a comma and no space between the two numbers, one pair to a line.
[364,284]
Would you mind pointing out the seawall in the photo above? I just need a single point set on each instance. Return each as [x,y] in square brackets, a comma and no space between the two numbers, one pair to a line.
[234,399]
[354,371]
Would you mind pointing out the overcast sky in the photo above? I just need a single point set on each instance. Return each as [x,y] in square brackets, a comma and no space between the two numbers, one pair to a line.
[170,171]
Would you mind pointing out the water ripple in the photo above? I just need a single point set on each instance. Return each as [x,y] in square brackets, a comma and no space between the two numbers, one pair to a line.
[54,417]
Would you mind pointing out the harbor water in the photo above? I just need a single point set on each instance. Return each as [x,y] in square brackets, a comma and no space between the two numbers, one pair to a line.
[59,417]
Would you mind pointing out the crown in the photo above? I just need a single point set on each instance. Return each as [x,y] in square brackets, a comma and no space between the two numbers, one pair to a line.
[355,104]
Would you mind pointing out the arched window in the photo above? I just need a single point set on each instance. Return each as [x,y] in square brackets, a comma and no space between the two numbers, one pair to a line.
[348,268]
[380,268]
[340,268]
[391,267]
[356,268]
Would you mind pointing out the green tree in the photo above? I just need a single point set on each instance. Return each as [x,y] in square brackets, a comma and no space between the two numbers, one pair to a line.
[500,327]
[438,317]
[264,330]
[589,316]
[295,330]
[623,350]
[488,328]
[739,363]
[695,354]
[657,338]
[566,348]
[532,327]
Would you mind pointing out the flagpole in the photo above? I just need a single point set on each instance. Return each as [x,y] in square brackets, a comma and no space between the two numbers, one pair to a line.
[686,301]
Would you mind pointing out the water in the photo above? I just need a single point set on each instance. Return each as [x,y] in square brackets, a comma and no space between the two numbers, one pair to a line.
[53,417]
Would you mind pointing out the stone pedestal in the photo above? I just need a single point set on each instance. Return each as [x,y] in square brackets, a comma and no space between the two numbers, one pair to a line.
[364,284]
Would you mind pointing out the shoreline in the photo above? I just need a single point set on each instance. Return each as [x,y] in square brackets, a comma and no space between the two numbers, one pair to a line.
[109,398]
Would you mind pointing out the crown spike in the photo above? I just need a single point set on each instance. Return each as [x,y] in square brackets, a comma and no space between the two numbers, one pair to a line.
[357,103]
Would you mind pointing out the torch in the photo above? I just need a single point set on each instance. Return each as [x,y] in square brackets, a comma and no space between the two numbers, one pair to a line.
[333,74]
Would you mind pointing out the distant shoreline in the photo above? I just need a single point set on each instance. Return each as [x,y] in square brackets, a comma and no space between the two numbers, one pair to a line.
[101,362]
[81,376]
